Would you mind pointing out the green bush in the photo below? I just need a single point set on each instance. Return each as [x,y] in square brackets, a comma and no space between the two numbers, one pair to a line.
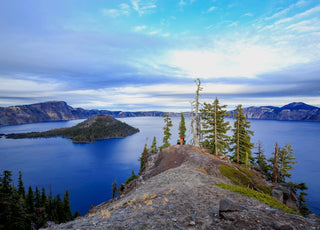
[236,176]
[265,198]
[131,178]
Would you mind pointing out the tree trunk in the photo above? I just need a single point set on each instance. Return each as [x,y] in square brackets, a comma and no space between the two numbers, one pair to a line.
[275,164]
[238,139]
[215,130]
[195,121]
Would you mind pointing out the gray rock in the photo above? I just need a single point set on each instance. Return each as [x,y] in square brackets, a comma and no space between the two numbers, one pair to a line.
[278,194]
[192,223]
[227,205]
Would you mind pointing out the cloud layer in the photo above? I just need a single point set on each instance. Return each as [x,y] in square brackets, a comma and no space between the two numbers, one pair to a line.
[145,55]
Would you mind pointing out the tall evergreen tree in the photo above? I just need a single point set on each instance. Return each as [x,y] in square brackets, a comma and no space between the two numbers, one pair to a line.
[21,189]
[66,206]
[144,158]
[166,131]
[37,198]
[58,209]
[241,138]
[286,161]
[30,201]
[215,128]
[275,164]
[43,198]
[195,116]
[182,127]
[114,189]
[261,161]
[154,148]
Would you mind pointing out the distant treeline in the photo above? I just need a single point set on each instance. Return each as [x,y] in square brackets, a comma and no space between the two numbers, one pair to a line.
[32,209]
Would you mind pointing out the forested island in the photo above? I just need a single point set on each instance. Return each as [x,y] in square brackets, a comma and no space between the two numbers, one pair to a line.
[97,127]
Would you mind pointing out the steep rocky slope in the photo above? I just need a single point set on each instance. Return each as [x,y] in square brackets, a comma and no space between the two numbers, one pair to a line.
[58,111]
[177,190]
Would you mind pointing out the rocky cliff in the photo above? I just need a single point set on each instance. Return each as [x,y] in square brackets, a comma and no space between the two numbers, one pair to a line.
[58,111]
[296,111]
[184,187]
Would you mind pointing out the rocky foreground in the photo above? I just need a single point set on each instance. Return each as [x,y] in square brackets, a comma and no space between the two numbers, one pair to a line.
[177,191]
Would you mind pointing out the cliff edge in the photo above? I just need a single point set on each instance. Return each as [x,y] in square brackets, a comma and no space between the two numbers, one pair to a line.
[178,189]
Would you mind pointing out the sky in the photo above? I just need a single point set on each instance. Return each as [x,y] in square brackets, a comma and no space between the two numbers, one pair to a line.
[134,55]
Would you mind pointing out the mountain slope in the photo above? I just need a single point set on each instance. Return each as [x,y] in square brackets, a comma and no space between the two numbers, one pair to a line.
[296,111]
[58,111]
[95,128]
[178,190]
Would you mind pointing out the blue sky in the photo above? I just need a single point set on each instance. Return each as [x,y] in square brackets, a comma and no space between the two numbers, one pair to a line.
[135,55]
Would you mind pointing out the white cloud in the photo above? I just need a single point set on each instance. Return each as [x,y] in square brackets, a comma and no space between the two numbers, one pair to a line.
[285,11]
[123,9]
[248,14]
[139,28]
[212,8]
[232,59]
[144,6]
[182,3]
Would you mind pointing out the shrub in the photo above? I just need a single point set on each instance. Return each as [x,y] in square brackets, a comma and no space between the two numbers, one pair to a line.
[236,176]
[265,198]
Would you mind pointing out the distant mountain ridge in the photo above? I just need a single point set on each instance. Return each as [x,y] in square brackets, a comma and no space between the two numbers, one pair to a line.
[296,111]
[60,110]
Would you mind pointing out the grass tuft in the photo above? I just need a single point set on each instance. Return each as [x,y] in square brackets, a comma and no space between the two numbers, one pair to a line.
[265,198]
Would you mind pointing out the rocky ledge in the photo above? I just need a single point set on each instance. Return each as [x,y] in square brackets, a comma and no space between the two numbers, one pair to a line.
[178,189]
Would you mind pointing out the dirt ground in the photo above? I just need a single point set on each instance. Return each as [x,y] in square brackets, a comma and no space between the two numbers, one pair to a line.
[176,192]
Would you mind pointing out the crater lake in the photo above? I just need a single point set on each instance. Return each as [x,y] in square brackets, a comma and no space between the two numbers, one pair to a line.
[88,170]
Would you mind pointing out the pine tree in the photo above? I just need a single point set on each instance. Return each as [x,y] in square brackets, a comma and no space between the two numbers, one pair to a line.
[37,198]
[182,127]
[43,201]
[66,206]
[144,158]
[286,161]
[114,189]
[58,208]
[166,131]
[21,189]
[30,209]
[195,116]
[275,164]
[30,201]
[154,148]
[261,161]
[215,128]
[241,138]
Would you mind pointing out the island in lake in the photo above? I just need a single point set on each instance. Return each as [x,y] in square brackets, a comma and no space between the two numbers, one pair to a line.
[97,127]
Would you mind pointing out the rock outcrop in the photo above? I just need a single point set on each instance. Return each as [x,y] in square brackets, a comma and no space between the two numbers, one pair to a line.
[296,111]
[178,190]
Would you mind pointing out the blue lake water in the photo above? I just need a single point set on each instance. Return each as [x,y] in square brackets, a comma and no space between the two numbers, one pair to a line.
[88,170]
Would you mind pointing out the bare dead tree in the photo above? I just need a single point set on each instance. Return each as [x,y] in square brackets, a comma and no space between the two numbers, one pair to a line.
[195,116]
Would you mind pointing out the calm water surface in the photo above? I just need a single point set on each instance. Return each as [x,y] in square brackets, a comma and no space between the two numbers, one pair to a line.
[88,170]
